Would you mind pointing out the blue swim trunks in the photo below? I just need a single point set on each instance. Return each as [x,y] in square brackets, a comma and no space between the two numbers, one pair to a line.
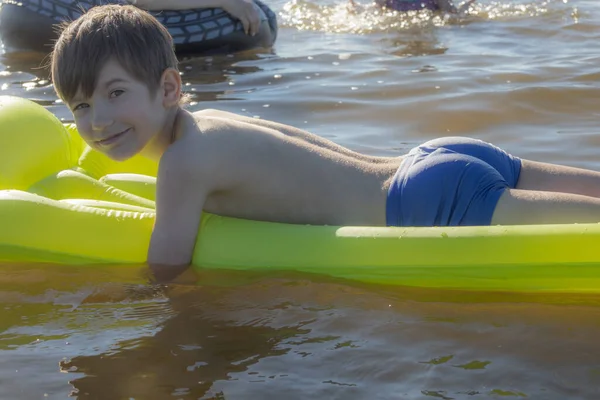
[450,181]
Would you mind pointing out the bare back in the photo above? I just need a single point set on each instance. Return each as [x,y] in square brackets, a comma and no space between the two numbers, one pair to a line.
[263,173]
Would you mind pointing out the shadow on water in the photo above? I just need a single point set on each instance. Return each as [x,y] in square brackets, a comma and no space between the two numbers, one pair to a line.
[193,349]
[170,339]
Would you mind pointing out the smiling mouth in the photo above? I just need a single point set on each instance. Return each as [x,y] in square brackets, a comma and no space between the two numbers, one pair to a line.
[113,138]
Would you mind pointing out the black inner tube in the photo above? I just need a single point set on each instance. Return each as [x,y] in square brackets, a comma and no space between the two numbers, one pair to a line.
[30,25]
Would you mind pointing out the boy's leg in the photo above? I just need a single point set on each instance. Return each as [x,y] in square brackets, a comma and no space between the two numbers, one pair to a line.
[524,207]
[558,178]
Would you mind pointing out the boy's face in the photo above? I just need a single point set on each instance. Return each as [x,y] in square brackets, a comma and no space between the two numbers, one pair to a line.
[122,116]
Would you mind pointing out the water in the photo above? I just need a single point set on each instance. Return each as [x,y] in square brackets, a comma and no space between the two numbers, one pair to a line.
[521,74]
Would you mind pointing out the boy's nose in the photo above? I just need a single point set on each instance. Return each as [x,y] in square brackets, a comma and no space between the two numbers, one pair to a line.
[101,119]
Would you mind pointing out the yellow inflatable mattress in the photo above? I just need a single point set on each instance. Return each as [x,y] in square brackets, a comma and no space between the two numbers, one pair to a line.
[61,202]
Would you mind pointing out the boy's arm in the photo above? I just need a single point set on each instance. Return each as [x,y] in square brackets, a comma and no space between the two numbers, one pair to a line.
[179,201]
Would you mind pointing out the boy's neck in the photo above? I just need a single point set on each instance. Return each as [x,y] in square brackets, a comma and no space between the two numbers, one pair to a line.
[168,135]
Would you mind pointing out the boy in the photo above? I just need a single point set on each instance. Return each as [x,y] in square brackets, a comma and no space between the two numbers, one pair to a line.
[115,69]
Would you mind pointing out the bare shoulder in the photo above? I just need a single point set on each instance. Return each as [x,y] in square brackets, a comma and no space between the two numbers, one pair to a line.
[197,145]
[204,155]
[188,161]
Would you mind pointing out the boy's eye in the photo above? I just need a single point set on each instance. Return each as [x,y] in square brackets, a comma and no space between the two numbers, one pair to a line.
[80,106]
[116,93]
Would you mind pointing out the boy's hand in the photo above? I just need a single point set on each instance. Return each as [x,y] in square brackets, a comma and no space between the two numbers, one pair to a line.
[246,12]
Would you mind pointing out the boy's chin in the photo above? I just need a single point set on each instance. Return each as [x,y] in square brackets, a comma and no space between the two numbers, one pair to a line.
[121,159]
[119,155]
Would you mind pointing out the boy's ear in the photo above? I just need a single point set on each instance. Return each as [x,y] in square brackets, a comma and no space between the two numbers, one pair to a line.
[170,87]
